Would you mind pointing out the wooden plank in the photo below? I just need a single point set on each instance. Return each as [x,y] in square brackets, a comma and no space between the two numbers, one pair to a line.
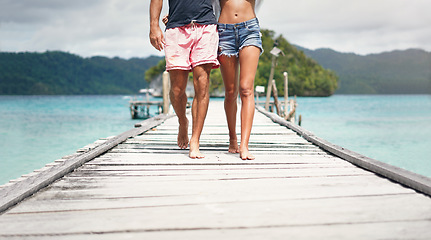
[179,157]
[98,203]
[400,230]
[221,215]
[80,199]
[239,188]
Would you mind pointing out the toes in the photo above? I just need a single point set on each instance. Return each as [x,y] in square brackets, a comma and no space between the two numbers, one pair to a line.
[196,155]
[246,156]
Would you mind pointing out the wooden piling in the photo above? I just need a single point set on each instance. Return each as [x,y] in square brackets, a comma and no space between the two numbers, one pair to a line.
[166,89]
[286,94]
[275,94]
[271,77]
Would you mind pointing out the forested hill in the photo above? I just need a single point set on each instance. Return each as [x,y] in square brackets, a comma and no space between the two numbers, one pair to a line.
[56,72]
[396,72]
[306,76]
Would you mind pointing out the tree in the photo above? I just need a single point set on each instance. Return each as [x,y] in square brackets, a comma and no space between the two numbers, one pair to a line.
[155,71]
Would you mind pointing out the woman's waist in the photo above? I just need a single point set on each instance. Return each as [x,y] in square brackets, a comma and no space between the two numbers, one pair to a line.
[237,17]
[250,22]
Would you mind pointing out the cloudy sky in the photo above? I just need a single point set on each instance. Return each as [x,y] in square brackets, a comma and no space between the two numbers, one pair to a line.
[120,27]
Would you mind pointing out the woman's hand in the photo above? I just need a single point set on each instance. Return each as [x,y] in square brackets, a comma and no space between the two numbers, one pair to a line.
[165,19]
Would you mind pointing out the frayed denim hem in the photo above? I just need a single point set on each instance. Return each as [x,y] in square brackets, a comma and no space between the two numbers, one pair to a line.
[254,45]
[228,54]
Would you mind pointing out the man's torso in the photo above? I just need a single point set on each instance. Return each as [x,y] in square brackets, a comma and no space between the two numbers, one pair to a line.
[183,12]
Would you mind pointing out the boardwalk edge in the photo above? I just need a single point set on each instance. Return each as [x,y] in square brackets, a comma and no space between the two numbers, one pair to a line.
[412,180]
[12,194]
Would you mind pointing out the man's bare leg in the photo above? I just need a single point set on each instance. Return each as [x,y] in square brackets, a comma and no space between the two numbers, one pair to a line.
[229,71]
[199,107]
[248,58]
[178,99]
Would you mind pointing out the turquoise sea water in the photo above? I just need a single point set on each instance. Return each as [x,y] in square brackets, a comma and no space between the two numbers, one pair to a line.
[395,129]
[36,130]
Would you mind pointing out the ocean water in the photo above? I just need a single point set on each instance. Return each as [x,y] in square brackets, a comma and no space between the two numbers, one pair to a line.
[395,129]
[36,130]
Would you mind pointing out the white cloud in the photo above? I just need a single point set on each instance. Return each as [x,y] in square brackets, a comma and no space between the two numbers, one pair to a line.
[350,26]
[121,28]
[108,27]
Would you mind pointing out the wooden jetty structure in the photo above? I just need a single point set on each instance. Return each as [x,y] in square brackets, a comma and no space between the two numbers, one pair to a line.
[140,185]
[141,108]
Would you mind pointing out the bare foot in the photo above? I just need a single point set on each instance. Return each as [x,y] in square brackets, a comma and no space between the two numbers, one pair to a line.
[246,155]
[194,150]
[183,137]
[233,146]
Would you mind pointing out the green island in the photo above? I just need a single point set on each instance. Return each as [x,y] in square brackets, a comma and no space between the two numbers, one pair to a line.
[320,72]
[61,73]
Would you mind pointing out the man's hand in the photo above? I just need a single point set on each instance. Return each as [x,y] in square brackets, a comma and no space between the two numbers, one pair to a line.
[156,38]
[156,34]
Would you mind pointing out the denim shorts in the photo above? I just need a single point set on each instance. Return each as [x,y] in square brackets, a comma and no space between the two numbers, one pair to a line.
[233,37]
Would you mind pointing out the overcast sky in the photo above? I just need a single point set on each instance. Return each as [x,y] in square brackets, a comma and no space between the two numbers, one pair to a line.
[120,27]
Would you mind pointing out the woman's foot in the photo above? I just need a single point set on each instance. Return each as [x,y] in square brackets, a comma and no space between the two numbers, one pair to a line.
[246,155]
[194,150]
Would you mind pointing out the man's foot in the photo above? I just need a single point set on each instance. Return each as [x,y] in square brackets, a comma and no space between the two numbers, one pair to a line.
[183,135]
[194,151]
[246,155]
[233,146]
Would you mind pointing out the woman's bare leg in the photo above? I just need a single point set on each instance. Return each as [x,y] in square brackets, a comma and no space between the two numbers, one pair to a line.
[248,60]
[229,71]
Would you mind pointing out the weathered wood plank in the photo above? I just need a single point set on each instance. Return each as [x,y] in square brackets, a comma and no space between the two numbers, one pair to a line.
[372,230]
[178,157]
[232,214]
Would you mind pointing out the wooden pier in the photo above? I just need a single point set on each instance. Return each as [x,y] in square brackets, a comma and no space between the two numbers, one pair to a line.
[141,108]
[139,185]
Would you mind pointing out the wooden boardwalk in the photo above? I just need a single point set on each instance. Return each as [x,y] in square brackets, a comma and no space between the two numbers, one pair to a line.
[146,188]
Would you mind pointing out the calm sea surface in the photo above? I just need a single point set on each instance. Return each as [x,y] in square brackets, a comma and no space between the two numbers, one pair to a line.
[395,129]
[36,130]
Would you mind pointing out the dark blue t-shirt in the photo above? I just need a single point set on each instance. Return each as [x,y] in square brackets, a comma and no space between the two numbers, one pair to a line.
[183,12]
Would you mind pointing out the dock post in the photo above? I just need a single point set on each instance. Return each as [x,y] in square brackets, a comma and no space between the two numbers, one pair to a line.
[276,102]
[259,89]
[166,89]
[293,110]
[286,94]
[269,88]
[275,52]
[148,100]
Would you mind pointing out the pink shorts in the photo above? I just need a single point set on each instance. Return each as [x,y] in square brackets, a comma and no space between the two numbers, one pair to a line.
[189,46]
